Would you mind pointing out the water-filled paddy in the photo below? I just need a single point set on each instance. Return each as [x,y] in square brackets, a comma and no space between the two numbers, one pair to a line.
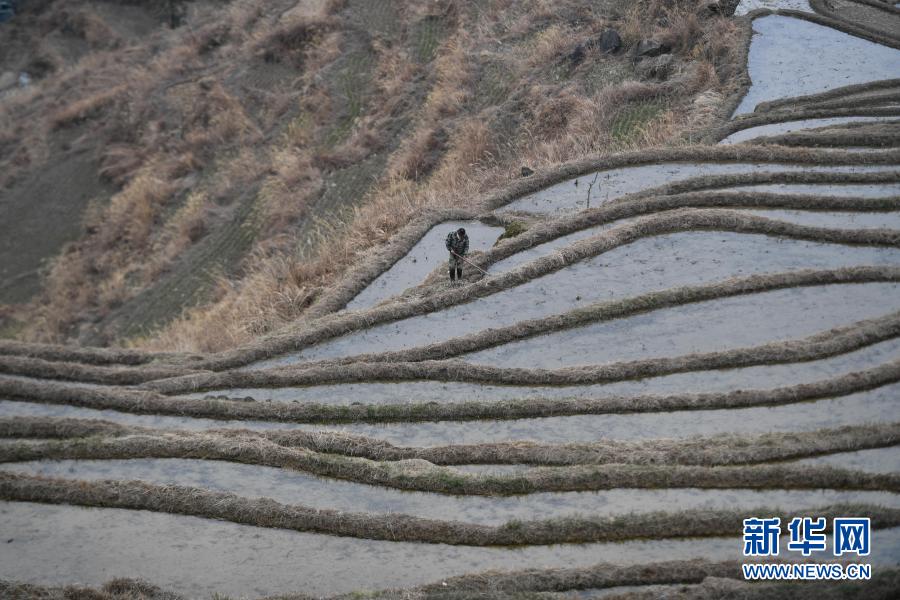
[874,406]
[566,196]
[867,190]
[293,487]
[65,544]
[762,376]
[715,325]
[650,264]
[792,57]
[833,219]
[813,218]
[791,126]
[746,6]
[427,255]
[877,460]
[10,408]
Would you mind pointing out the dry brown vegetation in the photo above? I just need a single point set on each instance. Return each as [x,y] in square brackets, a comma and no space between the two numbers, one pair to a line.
[149,402]
[418,475]
[722,449]
[688,580]
[264,512]
[247,115]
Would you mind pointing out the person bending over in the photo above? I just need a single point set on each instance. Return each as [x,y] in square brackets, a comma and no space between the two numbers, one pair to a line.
[458,245]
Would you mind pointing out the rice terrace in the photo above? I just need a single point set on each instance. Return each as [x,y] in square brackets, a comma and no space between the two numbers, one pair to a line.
[233,365]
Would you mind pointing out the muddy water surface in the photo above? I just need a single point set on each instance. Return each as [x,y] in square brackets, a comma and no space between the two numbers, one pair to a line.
[292,487]
[833,220]
[746,6]
[715,325]
[10,408]
[874,406]
[649,264]
[790,126]
[64,544]
[880,190]
[427,255]
[566,196]
[792,57]
[763,376]
[879,460]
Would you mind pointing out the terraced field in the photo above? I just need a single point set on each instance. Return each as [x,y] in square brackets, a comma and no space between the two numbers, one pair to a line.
[708,333]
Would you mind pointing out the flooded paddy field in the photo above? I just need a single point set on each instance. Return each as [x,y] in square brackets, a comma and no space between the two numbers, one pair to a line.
[749,320]
[650,264]
[426,256]
[779,64]
[569,196]
[791,126]
[293,487]
[879,405]
[722,380]
[824,70]
[186,553]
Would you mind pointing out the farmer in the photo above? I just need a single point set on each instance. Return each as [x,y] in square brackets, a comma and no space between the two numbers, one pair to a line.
[458,245]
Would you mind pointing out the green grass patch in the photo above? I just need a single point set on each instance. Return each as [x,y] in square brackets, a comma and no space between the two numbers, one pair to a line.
[494,84]
[512,230]
[350,85]
[10,327]
[426,37]
[632,120]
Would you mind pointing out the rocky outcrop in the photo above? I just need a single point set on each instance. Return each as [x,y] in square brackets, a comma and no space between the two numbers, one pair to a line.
[650,48]
[609,41]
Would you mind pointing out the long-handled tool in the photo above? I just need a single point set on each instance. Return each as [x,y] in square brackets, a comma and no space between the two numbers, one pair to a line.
[462,258]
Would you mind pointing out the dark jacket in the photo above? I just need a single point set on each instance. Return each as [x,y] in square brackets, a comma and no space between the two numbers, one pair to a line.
[457,245]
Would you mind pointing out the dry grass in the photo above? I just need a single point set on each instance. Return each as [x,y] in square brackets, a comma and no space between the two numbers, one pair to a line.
[150,402]
[86,108]
[455,151]
[499,90]
[291,41]
[717,450]
[116,589]
[268,513]
[696,579]
[611,310]
[420,475]
[114,254]
[667,222]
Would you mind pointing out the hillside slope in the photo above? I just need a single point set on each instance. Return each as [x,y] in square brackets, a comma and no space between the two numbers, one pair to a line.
[242,160]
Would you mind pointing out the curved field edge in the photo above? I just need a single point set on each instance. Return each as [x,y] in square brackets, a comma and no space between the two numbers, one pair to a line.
[821,345]
[381,259]
[268,513]
[840,93]
[670,221]
[424,477]
[610,310]
[105,374]
[600,311]
[512,584]
[151,402]
[767,118]
[722,449]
